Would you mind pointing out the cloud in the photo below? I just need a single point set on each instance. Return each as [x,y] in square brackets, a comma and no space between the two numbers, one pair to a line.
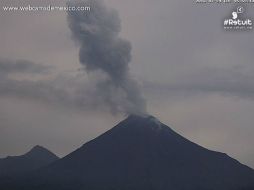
[233,81]
[43,89]
[21,66]
[72,90]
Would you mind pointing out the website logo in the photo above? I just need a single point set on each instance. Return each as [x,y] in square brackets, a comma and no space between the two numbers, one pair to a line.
[238,21]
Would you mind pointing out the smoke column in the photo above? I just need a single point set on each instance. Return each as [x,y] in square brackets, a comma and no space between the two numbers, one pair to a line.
[102,50]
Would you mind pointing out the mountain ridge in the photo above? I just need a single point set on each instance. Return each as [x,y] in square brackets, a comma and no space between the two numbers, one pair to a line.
[142,153]
[35,158]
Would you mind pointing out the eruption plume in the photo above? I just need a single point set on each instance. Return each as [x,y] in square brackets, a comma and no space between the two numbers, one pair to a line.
[103,51]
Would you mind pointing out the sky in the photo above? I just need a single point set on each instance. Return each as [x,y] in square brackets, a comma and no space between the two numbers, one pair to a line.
[179,63]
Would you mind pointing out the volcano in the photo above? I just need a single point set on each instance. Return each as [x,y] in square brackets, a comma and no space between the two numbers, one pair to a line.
[140,153]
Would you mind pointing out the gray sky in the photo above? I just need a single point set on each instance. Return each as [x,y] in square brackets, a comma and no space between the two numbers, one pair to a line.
[195,77]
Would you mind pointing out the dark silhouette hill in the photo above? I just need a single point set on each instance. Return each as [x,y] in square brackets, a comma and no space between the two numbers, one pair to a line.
[141,153]
[36,158]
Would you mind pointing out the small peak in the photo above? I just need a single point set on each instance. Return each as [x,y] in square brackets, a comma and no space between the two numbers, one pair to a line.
[38,148]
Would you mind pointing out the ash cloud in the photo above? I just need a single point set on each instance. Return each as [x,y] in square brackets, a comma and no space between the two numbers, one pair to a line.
[103,51]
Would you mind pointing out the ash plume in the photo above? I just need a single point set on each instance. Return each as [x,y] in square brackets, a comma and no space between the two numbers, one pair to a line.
[103,51]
